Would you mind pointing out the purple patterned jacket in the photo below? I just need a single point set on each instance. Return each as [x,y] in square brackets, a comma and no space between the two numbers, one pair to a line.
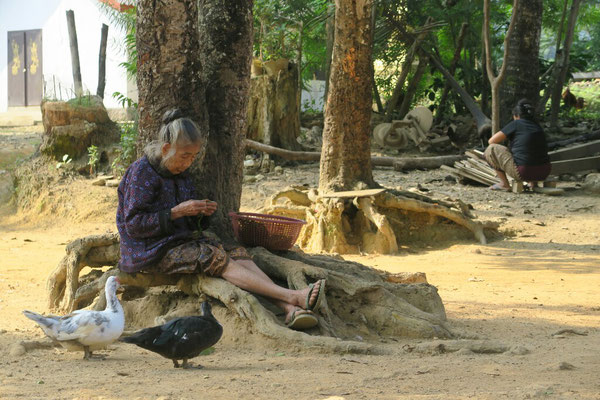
[147,193]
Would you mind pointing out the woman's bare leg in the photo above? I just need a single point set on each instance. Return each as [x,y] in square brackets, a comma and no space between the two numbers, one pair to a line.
[245,274]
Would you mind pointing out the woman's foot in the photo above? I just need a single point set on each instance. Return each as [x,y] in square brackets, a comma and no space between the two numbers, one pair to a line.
[311,297]
[300,319]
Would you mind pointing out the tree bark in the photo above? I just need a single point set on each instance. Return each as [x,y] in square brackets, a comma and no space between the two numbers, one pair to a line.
[522,66]
[346,158]
[495,81]
[169,69]
[226,52]
[457,51]
[330,28]
[102,62]
[74,53]
[563,67]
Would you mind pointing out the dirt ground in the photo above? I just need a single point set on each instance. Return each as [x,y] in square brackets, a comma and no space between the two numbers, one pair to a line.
[521,291]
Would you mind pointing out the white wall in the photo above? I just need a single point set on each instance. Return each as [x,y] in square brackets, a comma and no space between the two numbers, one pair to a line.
[312,95]
[50,16]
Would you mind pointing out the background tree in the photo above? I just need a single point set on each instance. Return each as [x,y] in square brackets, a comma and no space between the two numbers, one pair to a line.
[346,153]
[495,81]
[561,68]
[522,65]
[225,31]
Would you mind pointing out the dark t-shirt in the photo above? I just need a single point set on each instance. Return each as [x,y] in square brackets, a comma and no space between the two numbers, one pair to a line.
[527,142]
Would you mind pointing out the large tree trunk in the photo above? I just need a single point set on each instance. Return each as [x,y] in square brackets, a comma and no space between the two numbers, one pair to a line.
[330,28]
[563,66]
[346,154]
[225,49]
[169,70]
[522,66]
[495,81]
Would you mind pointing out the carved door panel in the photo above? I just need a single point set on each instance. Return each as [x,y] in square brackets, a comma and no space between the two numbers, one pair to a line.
[33,77]
[16,68]
[25,79]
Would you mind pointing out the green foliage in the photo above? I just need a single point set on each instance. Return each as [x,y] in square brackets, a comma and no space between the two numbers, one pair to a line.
[93,158]
[126,152]
[280,25]
[124,101]
[66,160]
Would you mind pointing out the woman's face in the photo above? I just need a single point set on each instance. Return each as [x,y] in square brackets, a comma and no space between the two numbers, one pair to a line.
[182,159]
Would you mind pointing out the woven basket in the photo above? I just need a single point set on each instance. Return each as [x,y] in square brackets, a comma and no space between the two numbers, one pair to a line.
[269,231]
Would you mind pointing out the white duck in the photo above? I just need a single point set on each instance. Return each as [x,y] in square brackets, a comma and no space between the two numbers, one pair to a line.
[85,329]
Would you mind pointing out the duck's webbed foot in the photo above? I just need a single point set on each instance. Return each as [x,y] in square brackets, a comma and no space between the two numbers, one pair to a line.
[186,365]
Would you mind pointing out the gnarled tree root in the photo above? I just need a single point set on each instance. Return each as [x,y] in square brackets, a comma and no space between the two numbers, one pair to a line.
[362,221]
[362,305]
[92,251]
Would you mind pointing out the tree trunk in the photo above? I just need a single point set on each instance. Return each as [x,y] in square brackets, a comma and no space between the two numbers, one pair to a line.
[412,87]
[74,53]
[168,65]
[522,66]
[226,51]
[563,67]
[495,81]
[330,28]
[457,51]
[102,62]
[346,154]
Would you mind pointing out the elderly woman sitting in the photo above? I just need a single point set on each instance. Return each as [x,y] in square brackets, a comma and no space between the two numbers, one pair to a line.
[158,219]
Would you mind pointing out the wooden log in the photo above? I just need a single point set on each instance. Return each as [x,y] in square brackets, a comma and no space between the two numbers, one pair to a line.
[426,162]
[378,161]
[74,53]
[577,151]
[579,164]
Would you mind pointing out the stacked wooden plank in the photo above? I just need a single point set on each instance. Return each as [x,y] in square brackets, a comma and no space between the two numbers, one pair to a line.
[474,168]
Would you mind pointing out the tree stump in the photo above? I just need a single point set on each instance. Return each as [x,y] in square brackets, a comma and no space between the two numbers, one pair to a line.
[273,110]
[71,127]
[363,306]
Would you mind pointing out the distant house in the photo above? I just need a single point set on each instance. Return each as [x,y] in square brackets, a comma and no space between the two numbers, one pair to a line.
[35,56]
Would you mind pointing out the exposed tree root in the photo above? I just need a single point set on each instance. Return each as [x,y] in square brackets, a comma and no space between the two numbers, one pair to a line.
[93,251]
[371,222]
[362,305]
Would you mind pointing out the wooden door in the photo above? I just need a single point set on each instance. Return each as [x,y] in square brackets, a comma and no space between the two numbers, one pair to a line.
[16,68]
[25,79]
[34,81]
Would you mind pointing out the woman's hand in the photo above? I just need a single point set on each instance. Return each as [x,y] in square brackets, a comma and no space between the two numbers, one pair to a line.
[193,207]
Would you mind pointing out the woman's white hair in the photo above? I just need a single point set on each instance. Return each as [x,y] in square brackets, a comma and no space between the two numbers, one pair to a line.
[176,130]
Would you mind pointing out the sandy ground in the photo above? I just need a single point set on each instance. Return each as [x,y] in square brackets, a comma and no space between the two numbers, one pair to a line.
[520,291]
